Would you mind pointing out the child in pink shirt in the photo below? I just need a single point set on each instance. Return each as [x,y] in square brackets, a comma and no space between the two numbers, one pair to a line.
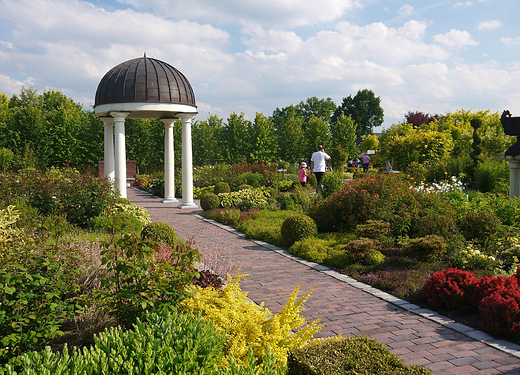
[303,174]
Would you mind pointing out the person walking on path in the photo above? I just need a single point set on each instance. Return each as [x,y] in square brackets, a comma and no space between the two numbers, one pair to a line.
[319,165]
[366,162]
[303,174]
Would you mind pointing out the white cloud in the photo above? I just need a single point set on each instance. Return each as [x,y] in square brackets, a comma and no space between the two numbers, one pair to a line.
[280,14]
[405,10]
[511,42]
[485,25]
[455,39]
[462,4]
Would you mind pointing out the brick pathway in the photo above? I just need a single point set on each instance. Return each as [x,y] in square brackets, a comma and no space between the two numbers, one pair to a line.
[419,336]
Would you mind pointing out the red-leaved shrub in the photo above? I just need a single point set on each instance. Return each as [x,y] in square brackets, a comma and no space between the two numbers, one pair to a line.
[500,312]
[488,285]
[450,288]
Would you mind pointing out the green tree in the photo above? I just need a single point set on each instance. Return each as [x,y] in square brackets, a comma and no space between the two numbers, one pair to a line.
[344,135]
[290,135]
[237,138]
[321,108]
[263,140]
[207,147]
[365,110]
[317,133]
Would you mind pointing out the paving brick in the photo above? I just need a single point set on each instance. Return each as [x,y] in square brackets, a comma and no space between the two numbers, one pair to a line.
[420,339]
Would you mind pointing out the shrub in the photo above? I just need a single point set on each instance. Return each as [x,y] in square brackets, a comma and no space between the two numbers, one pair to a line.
[228,216]
[297,227]
[489,285]
[244,186]
[254,179]
[323,250]
[452,288]
[221,187]
[480,226]
[364,251]
[265,225]
[491,175]
[435,223]
[159,232]
[472,259]
[430,248]
[286,185]
[404,284]
[347,356]
[244,199]
[209,201]
[198,192]
[374,229]
[251,326]
[500,313]
[171,344]
[384,197]
[207,278]
[332,182]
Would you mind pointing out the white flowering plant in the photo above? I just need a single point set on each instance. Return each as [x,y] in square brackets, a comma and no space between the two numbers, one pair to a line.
[470,258]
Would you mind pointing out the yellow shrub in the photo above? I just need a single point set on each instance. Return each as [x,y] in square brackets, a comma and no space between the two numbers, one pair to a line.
[251,326]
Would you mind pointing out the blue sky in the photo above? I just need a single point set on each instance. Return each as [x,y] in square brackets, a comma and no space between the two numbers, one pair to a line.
[248,56]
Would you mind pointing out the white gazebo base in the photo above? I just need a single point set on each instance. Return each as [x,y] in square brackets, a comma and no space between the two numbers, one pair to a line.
[188,205]
[514,174]
[169,200]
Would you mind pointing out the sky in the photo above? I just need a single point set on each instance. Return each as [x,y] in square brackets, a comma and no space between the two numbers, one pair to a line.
[249,56]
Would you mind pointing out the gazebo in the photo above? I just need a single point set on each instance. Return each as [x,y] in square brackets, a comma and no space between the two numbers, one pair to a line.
[147,88]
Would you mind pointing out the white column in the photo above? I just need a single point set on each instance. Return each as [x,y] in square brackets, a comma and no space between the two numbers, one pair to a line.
[169,167]
[187,163]
[109,167]
[120,153]
[514,178]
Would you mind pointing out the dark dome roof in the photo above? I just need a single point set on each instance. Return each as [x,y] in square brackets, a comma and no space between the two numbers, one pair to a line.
[144,80]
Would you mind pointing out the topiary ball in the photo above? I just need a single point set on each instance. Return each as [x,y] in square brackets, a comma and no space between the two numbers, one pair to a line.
[221,187]
[159,232]
[209,201]
[298,227]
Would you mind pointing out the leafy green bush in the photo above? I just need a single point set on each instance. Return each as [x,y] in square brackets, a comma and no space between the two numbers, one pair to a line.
[383,197]
[298,200]
[228,216]
[286,185]
[37,289]
[174,343]
[364,251]
[244,186]
[132,217]
[426,249]
[492,175]
[481,226]
[141,278]
[347,356]
[374,229]
[209,201]
[254,179]
[332,182]
[298,227]
[265,225]
[244,199]
[198,192]
[159,232]
[470,258]
[221,187]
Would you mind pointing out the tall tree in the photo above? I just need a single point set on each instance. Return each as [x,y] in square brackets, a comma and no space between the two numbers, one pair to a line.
[321,108]
[419,118]
[207,147]
[316,133]
[364,108]
[237,140]
[290,135]
[344,135]
[263,140]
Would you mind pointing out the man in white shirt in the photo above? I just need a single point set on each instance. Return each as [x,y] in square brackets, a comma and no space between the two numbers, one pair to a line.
[318,164]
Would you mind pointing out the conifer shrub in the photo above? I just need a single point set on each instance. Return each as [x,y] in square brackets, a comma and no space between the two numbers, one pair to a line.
[249,326]
[452,288]
[347,356]
[159,232]
[297,227]
[221,187]
[209,201]
[265,225]
[364,251]
[375,229]
[228,216]
[430,248]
